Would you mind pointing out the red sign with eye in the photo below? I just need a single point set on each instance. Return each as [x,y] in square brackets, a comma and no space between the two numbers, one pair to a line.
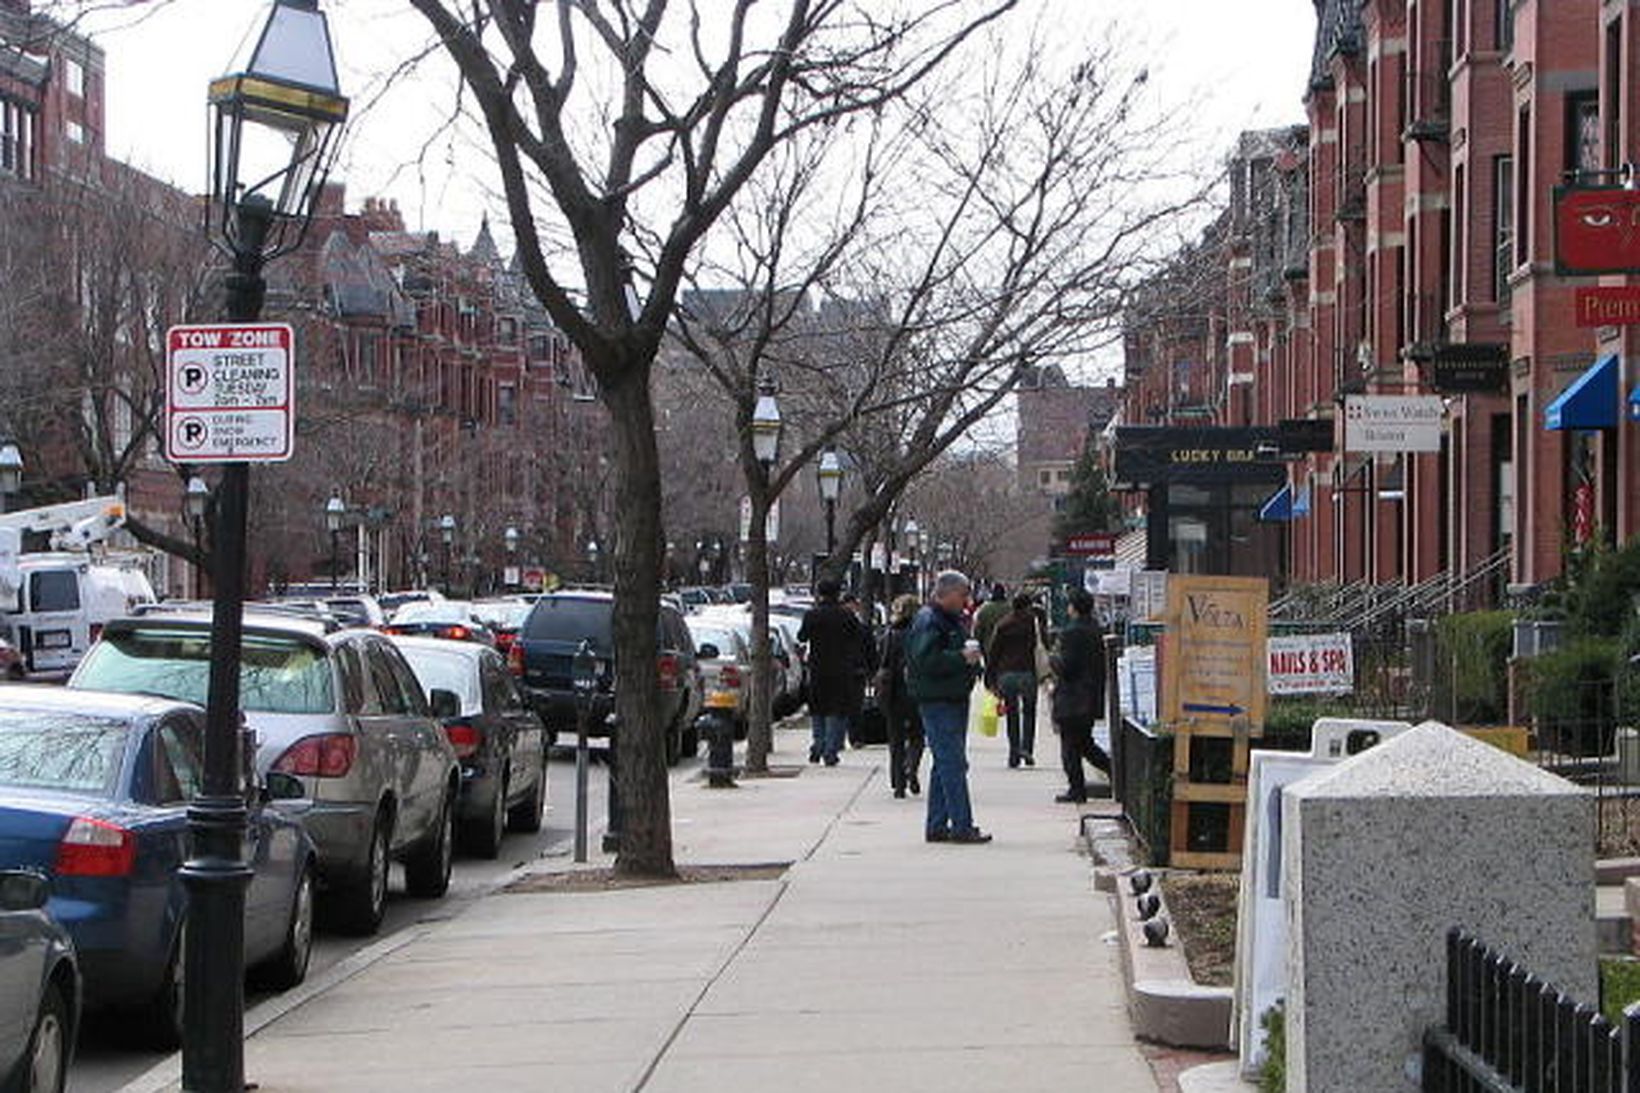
[1597,230]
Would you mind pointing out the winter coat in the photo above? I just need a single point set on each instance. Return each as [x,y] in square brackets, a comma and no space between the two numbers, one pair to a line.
[838,664]
[935,668]
[1079,667]
[891,685]
[1013,646]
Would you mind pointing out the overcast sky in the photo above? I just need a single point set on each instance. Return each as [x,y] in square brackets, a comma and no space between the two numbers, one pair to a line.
[1238,64]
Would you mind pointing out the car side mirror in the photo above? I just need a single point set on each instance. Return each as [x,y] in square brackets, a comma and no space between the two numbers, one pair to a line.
[707,652]
[446,704]
[21,890]
[278,786]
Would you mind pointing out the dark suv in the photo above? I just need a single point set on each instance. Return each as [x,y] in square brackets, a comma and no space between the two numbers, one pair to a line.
[543,654]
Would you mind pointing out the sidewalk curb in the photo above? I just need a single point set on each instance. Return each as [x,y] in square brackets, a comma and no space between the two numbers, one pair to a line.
[167,1073]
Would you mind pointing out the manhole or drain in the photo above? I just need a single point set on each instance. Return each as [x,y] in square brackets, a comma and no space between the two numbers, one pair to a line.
[607,880]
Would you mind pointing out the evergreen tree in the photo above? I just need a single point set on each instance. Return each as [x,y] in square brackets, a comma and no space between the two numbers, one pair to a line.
[1090,506]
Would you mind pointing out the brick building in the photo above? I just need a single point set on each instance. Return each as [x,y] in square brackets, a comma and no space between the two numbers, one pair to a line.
[1437,131]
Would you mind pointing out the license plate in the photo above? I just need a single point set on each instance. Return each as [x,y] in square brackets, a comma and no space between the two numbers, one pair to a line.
[53,639]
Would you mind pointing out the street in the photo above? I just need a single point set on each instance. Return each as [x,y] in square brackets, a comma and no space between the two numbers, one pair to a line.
[106,1061]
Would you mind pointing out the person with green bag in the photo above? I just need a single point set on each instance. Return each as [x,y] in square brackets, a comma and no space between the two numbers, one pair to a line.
[941,665]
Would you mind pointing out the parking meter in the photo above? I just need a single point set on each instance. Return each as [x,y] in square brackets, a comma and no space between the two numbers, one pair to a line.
[584,677]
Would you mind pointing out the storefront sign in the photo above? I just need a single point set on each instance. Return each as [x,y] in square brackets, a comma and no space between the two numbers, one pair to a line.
[1301,436]
[1311,664]
[1098,544]
[1471,368]
[1608,306]
[1214,652]
[1149,455]
[1393,423]
[1596,230]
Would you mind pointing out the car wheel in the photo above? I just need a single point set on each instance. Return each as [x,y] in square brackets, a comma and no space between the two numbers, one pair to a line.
[359,905]
[290,967]
[162,1019]
[427,869]
[484,836]
[526,817]
[44,1066]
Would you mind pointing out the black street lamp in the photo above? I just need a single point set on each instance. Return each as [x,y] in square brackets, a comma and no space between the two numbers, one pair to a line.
[196,499]
[447,534]
[11,474]
[592,559]
[273,135]
[335,513]
[509,539]
[831,487]
[766,426]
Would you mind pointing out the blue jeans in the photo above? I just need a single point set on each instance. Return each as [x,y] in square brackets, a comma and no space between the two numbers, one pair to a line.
[945,727]
[830,731]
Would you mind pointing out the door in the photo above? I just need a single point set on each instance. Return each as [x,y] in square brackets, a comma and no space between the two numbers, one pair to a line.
[518,732]
[375,769]
[435,759]
[58,634]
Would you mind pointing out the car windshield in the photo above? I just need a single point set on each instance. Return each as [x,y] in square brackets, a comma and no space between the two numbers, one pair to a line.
[571,619]
[439,670]
[444,611]
[277,675]
[723,639]
[61,750]
[507,616]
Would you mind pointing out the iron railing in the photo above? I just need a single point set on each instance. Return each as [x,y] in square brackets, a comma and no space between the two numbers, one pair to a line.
[1507,1031]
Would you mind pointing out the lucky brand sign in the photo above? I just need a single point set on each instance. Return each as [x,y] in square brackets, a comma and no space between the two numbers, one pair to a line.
[1311,664]
[1393,423]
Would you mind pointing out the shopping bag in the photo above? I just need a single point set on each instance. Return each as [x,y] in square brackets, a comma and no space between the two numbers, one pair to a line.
[986,715]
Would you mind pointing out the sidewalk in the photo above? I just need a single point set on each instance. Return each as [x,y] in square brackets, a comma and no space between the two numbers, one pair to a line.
[877,963]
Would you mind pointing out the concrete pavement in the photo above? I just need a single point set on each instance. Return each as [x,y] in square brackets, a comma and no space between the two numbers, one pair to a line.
[877,962]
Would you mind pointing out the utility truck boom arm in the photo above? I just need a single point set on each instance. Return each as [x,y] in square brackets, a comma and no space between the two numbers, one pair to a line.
[72,525]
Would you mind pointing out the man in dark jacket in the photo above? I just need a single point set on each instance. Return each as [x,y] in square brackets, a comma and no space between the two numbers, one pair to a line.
[1079,695]
[941,665]
[1010,673]
[837,670]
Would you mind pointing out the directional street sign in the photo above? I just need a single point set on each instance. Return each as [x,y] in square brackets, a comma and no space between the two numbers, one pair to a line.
[1214,652]
[230,393]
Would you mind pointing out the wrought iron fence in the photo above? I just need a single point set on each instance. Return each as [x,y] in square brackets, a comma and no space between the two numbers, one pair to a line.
[1507,1030]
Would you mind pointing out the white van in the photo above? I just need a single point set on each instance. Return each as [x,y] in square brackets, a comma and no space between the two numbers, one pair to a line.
[63,602]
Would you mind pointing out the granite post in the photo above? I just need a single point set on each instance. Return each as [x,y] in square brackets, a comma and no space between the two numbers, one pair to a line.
[1388,851]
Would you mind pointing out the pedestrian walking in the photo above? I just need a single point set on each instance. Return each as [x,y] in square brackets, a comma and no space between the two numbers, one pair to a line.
[1079,695]
[905,732]
[989,614]
[941,667]
[1010,674]
[837,671]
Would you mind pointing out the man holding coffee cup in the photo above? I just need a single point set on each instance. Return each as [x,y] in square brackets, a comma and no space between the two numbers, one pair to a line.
[941,665]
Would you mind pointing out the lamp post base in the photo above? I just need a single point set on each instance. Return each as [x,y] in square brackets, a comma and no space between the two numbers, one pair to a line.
[213,985]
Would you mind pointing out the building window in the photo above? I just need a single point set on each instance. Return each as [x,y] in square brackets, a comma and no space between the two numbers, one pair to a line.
[1583,137]
[1614,95]
[1503,226]
[1044,478]
[74,78]
[1523,187]
[1504,25]
[507,403]
[16,140]
[1457,258]
[75,132]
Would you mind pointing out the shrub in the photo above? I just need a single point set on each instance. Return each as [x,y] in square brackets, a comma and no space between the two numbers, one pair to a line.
[1572,694]
[1272,1078]
[1288,722]
[1600,592]
[1473,665]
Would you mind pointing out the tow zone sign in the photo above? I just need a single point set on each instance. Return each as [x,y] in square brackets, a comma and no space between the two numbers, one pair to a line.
[230,393]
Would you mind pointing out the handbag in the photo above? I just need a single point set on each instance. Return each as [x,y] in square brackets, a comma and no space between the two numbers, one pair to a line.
[985,717]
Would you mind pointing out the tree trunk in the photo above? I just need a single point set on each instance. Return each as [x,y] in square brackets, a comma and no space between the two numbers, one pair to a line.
[760,715]
[641,734]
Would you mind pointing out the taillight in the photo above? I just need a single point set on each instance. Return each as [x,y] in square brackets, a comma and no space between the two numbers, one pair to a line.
[515,659]
[329,755]
[457,633]
[393,630]
[669,672]
[96,848]
[464,739]
[729,676]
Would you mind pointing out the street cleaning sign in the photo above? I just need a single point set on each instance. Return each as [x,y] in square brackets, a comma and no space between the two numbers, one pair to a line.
[1214,652]
[230,393]
[1312,664]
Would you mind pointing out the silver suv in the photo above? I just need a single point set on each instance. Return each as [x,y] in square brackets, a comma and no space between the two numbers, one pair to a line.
[343,712]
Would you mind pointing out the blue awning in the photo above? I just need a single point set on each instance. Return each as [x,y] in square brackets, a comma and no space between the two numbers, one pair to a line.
[1278,507]
[1590,402]
[1634,404]
[1301,503]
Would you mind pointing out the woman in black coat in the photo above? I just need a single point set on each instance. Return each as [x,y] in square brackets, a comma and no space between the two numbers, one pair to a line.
[1079,695]
[904,723]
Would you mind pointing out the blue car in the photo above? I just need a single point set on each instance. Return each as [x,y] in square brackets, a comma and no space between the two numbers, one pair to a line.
[40,1000]
[94,790]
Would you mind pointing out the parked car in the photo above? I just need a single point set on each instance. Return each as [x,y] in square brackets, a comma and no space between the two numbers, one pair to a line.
[392,601]
[499,740]
[694,598]
[545,651]
[40,1007]
[725,661]
[789,669]
[64,602]
[453,620]
[504,618]
[94,793]
[342,712]
[358,609]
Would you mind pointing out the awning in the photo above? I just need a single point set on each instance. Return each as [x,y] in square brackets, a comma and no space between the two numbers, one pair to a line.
[1634,404]
[1590,402]
[1278,508]
[1301,503]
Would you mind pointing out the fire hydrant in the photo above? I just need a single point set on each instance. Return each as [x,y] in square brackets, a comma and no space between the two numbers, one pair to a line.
[717,723]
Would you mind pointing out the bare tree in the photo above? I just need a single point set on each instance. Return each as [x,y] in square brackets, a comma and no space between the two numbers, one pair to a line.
[700,98]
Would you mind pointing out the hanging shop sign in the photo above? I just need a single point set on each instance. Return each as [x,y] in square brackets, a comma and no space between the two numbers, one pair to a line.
[1393,423]
[1617,306]
[1466,368]
[1597,230]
